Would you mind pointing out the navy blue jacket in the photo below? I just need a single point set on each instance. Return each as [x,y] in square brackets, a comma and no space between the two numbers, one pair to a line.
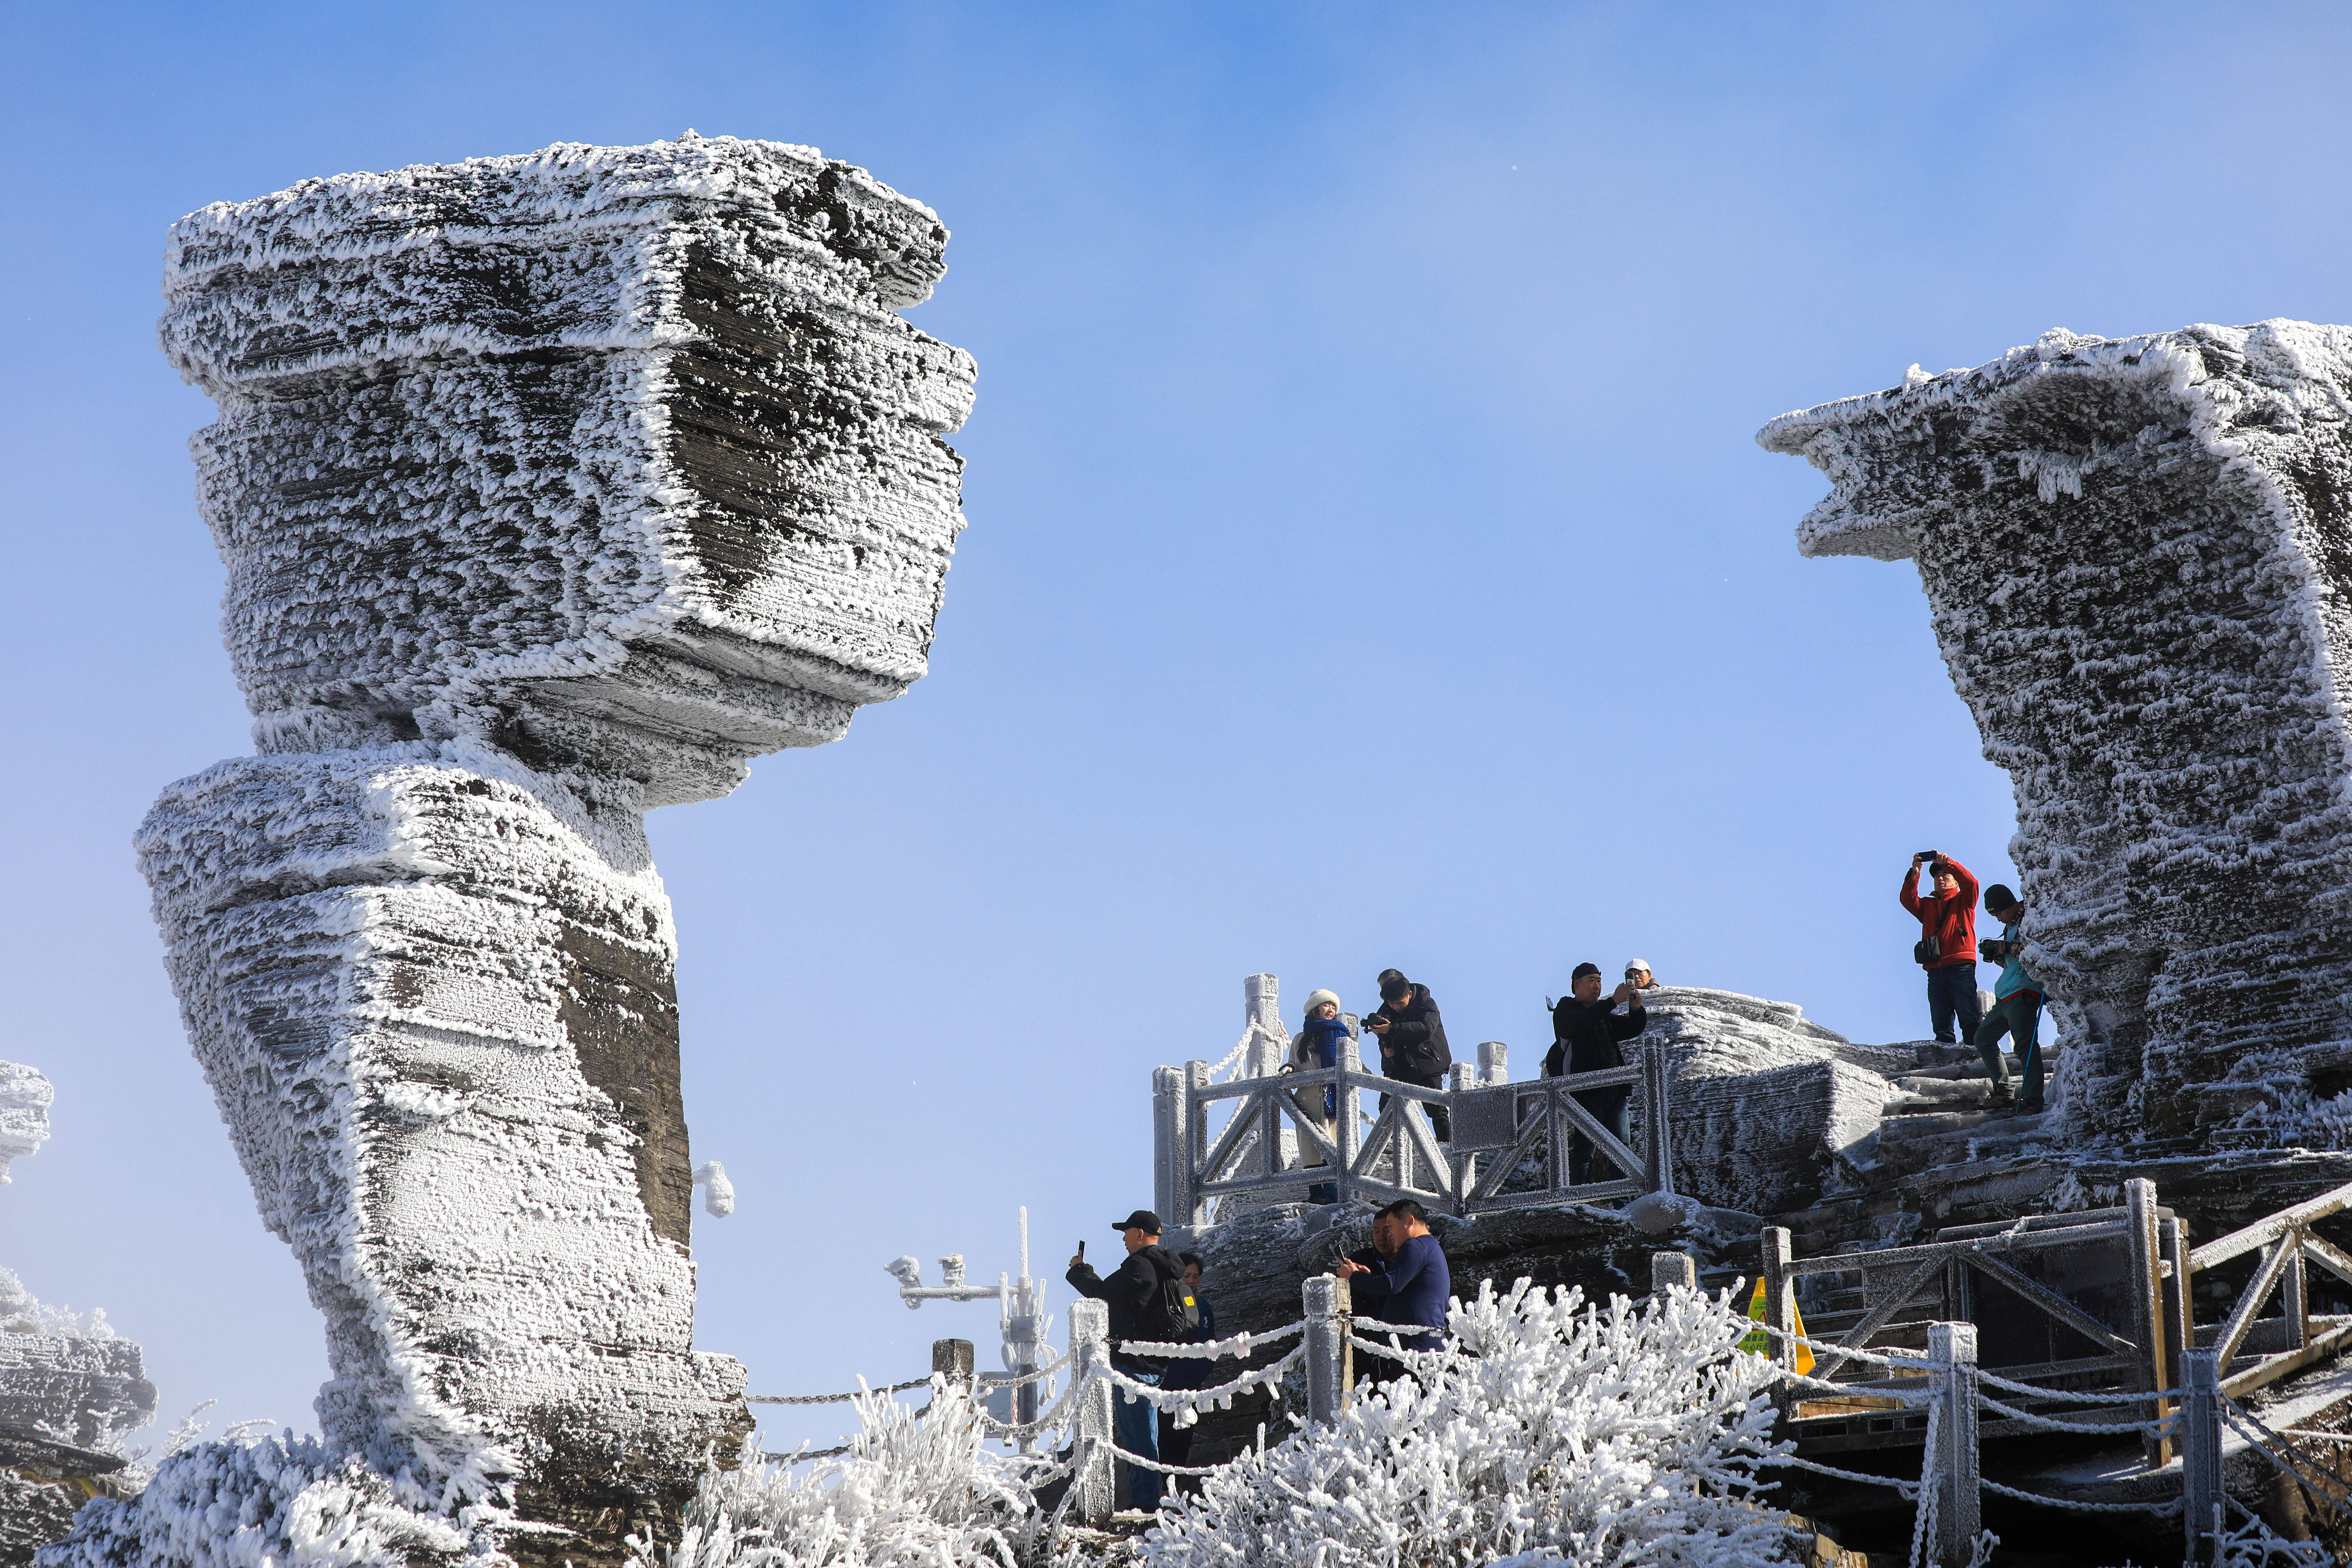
[1413,1288]
[1193,1371]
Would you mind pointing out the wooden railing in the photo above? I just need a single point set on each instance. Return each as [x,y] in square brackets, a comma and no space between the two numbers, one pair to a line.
[1499,1130]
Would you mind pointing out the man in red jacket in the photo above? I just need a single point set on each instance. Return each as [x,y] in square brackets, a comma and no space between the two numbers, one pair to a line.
[1948,942]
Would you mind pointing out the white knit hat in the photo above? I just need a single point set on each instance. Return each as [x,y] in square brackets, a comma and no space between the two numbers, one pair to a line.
[1316,998]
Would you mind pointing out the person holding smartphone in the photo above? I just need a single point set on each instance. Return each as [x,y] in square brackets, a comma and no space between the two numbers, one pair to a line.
[1946,948]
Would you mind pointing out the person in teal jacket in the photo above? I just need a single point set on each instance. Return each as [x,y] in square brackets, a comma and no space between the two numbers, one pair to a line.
[2016,1004]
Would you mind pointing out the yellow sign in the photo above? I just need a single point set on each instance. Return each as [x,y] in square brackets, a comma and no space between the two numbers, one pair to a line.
[1759,1342]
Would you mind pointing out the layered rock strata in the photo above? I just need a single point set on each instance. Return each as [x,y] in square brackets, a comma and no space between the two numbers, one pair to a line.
[549,487]
[2137,558]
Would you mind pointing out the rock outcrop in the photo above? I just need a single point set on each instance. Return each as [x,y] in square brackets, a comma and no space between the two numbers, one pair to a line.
[2139,561]
[551,489]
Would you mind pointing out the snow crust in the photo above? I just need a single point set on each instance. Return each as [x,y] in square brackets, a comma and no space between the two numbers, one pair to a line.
[2137,558]
[25,1097]
[600,453]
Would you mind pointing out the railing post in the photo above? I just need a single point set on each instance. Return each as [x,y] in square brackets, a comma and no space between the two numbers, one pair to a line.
[1261,1005]
[1657,1147]
[2200,1455]
[1347,1132]
[1196,1134]
[1168,1145]
[1494,1062]
[1780,1310]
[1330,1359]
[1461,1179]
[2144,1280]
[953,1357]
[1090,1357]
[1668,1270]
[1952,1350]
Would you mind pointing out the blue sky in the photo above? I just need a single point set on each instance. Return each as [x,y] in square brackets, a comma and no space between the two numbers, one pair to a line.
[1370,562]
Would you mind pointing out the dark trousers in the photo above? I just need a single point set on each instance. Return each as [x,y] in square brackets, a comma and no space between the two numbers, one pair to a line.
[1611,1107]
[1176,1448]
[2018,1015]
[1135,1425]
[1952,990]
[1439,1123]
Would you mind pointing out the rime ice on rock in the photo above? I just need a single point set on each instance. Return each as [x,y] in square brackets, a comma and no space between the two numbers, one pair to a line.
[2137,557]
[549,487]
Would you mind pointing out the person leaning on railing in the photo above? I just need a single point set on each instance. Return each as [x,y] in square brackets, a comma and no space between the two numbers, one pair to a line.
[1588,1034]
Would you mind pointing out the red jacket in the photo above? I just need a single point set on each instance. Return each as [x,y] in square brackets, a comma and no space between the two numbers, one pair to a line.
[1951,919]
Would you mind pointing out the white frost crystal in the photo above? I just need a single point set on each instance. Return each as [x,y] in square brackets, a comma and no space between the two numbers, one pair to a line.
[25,1097]
[2138,559]
[550,489]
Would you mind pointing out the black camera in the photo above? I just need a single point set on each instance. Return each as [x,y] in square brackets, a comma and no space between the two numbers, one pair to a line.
[1369,1019]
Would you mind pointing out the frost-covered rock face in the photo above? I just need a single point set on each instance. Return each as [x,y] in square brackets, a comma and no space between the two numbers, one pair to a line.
[606,454]
[1769,1111]
[25,1097]
[549,487]
[2137,556]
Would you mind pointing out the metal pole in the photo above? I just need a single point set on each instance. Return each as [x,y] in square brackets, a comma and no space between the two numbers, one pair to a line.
[2200,1456]
[1658,1147]
[1330,1359]
[1952,1351]
[1346,1131]
[2147,1315]
[1089,1357]
[1669,1269]
[1494,1062]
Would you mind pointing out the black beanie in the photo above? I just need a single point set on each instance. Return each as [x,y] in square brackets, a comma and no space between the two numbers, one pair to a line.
[1581,970]
[1999,897]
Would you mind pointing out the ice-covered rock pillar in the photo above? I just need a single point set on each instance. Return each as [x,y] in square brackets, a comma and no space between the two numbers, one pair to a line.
[549,487]
[2137,556]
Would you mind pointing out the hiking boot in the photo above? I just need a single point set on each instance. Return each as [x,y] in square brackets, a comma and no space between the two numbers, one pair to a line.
[2028,1108]
[2000,1098]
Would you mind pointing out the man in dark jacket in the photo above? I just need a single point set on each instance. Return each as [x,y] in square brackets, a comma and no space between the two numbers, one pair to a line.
[1587,1036]
[1412,1042]
[1407,1282]
[1132,1292]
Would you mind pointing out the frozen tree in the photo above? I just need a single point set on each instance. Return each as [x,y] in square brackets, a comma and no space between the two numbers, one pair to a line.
[1547,1431]
[908,1491]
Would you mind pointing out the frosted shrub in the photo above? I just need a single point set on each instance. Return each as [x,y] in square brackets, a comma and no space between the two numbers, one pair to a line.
[908,1493]
[1547,1431]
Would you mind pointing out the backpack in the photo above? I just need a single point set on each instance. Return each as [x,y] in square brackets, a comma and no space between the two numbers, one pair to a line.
[1171,1316]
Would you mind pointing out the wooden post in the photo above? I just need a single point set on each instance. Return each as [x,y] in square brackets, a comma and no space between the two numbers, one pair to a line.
[2200,1456]
[2180,1305]
[1657,1146]
[1952,1352]
[2294,1293]
[952,1357]
[1668,1270]
[1494,1062]
[1347,1129]
[2146,1323]
[1169,1146]
[1089,1357]
[1780,1310]
[1330,1359]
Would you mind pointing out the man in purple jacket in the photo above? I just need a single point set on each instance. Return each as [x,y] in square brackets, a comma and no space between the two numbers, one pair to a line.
[1409,1288]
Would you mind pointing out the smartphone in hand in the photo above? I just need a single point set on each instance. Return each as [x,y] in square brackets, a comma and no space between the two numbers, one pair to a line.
[1082,1252]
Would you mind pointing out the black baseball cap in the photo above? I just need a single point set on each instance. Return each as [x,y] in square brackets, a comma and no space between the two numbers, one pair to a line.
[1142,1219]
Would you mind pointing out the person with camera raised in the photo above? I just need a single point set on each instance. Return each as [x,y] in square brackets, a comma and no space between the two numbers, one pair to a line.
[1412,1042]
[1946,948]
[1588,1034]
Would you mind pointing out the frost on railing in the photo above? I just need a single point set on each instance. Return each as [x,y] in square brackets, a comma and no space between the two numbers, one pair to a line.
[1286,1130]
